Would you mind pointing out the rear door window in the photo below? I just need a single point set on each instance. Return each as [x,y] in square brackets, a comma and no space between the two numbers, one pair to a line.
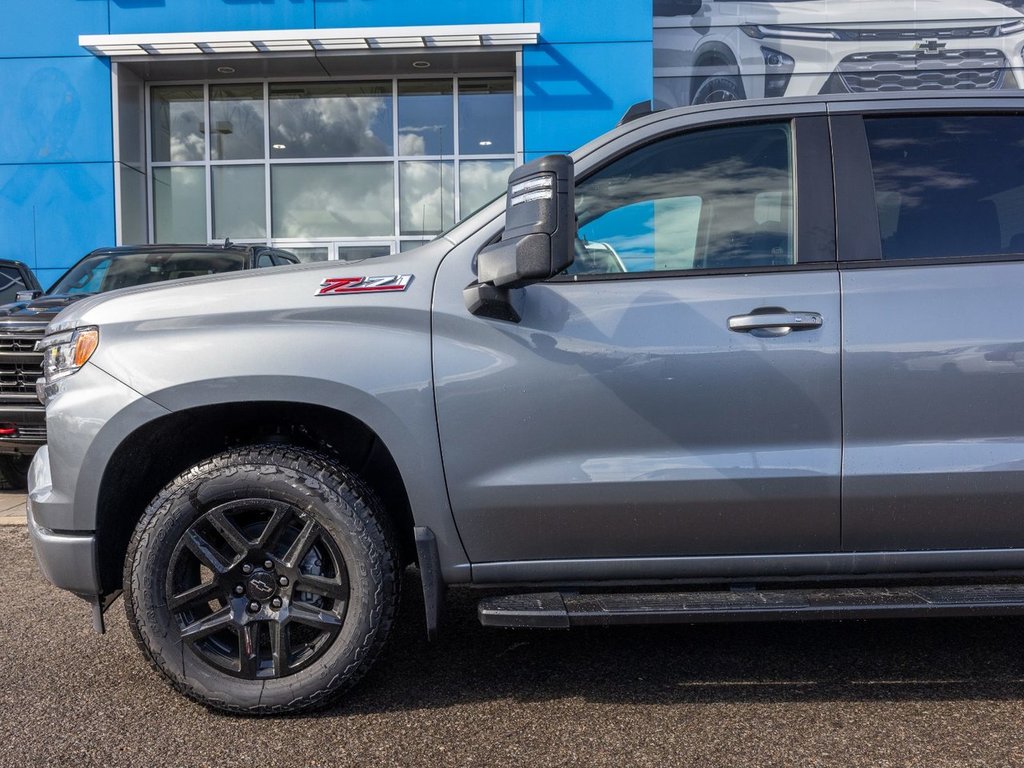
[948,186]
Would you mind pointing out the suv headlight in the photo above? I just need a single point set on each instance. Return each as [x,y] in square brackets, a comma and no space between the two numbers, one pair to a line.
[780,32]
[65,352]
[1010,29]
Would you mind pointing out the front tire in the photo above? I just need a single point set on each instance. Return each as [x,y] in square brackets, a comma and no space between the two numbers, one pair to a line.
[718,87]
[264,580]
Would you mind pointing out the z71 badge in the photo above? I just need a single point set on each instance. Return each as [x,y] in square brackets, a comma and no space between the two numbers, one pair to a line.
[332,286]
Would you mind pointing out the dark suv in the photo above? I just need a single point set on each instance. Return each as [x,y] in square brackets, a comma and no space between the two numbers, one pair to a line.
[22,427]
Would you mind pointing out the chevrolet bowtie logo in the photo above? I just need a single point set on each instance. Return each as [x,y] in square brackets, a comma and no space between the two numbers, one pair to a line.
[930,46]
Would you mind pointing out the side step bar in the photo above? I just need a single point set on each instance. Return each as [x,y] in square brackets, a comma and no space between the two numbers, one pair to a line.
[561,610]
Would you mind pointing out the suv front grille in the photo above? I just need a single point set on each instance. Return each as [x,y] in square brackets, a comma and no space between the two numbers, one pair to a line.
[921,33]
[20,364]
[923,71]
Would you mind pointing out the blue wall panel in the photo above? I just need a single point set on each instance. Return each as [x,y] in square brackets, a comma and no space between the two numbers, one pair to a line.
[565,21]
[55,110]
[574,92]
[50,27]
[402,13]
[52,214]
[208,15]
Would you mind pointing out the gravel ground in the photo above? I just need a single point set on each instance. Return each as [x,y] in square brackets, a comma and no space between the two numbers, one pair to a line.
[884,693]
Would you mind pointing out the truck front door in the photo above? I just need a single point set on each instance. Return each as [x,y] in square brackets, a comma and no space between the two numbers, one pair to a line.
[676,392]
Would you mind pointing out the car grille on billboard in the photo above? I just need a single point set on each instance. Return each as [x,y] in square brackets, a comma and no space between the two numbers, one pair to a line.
[921,33]
[20,365]
[923,71]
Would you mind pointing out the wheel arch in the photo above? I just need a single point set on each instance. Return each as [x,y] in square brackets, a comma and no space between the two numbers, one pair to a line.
[715,53]
[199,420]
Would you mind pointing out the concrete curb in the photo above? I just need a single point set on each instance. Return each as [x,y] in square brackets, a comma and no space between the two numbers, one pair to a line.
[12,520]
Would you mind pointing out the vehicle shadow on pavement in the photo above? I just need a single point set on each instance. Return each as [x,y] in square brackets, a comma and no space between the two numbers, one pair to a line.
[879,660]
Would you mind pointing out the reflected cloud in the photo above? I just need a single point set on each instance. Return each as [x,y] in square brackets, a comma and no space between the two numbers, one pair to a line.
[322,121]
[427,197]
[344,200]
[481,181]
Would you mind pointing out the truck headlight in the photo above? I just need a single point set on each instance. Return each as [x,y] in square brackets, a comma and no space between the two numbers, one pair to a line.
[65,352]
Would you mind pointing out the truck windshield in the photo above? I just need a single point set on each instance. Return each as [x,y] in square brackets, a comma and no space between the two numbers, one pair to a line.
[106,272]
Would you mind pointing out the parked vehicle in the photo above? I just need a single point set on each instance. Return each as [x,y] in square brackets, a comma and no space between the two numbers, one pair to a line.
[730,423]
[23,320]
[15,278]
[717,50]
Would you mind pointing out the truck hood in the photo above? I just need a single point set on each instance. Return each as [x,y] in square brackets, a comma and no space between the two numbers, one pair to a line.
[862,13]
[42,308]
[256,292]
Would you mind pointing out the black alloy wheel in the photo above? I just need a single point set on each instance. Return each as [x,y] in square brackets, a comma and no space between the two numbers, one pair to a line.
[264,580]
[257,588]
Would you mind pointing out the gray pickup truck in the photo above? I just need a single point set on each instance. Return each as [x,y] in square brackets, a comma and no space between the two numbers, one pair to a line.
[748,361]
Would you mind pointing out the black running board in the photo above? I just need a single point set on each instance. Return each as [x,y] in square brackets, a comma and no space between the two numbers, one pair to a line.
[557,610]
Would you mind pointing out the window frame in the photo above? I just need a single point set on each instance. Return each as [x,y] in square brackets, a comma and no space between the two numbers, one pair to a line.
[857,219]
[814,197]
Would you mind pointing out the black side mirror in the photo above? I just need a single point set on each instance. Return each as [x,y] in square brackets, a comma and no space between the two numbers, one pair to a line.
[27,295]
[540,230]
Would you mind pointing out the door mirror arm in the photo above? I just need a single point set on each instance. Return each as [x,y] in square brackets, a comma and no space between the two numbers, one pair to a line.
[540,229]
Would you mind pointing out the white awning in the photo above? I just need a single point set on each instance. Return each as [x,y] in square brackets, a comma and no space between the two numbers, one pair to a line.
[341,39]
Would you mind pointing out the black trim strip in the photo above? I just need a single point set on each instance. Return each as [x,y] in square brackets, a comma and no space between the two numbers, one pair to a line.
[813,266]
[857,229]
[815,200]
[994,258]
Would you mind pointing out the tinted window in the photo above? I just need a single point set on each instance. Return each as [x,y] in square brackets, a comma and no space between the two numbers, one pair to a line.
[948,186]
[107,272]
[713,199]
[11,281]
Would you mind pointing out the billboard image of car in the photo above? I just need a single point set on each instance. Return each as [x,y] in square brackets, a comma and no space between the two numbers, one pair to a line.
[720,50]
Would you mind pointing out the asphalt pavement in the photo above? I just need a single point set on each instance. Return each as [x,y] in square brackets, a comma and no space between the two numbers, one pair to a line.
[883,693]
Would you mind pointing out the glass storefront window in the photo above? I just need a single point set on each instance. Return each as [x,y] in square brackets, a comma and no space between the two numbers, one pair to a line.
[330,120]
[374,164]
[333,200]
[308,253]
[360,252]
[426,124]
[427,202]
[179,204]
[236,120]
[480,181]
[178,128]
[239,202]
[409,245]
[486,116]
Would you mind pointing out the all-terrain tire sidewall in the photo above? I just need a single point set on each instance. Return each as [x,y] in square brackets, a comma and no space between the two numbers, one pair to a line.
[337,500]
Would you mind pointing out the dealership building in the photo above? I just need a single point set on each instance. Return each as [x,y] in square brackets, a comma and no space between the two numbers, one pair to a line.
[345,129]
[336,129]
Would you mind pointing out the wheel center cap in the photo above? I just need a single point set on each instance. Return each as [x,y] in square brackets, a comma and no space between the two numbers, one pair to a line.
[260,585]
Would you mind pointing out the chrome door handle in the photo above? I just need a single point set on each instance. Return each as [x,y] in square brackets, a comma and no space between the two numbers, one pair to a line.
[774,323]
